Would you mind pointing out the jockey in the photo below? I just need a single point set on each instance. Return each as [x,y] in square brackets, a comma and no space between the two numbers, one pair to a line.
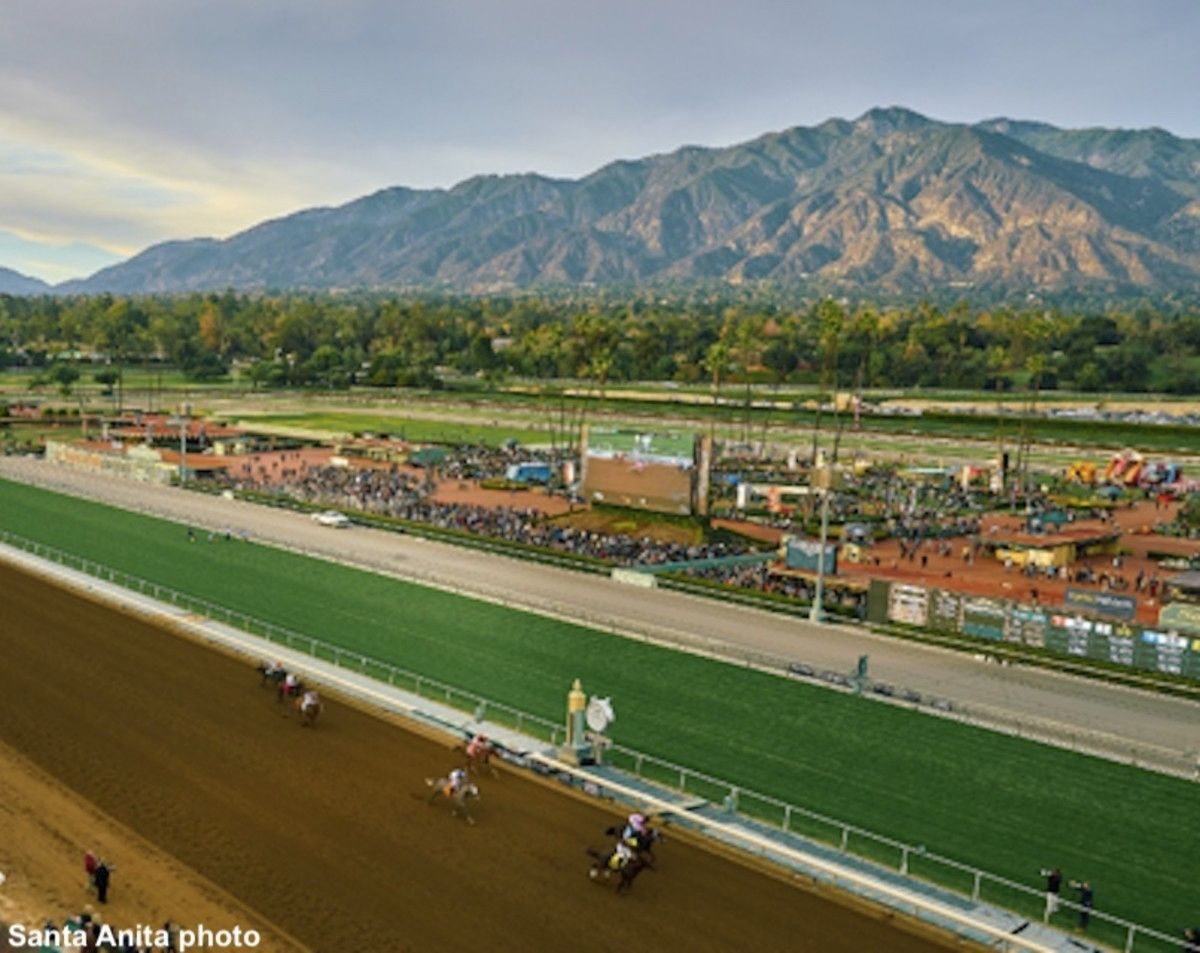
[634,829]
[458,778]
[479,747]
[290,683]
[311,700]
[622,854]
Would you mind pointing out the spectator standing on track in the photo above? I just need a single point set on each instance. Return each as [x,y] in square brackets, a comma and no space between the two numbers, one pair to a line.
[1053,887]
[1085,902]
[101,878]
[89,867]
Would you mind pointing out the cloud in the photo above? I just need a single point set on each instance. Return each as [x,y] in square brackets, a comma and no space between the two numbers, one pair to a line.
[52,262]
[132,121]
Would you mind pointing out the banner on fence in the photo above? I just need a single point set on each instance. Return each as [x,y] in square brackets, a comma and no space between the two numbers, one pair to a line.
[1184,616]
[908,604]
[1101,603]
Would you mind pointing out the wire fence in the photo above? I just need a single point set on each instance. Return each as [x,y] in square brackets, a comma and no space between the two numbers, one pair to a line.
[907,859]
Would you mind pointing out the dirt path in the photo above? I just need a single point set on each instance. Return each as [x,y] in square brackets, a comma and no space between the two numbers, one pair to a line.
[326,831]
[44,830]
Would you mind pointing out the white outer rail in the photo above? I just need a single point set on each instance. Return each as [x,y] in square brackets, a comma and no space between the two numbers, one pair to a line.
[765,845]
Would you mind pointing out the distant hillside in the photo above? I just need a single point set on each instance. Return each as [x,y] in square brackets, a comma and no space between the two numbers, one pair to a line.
[892,200]
[15,283]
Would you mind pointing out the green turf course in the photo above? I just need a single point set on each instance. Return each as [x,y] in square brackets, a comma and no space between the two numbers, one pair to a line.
[409,428]
[1003,804]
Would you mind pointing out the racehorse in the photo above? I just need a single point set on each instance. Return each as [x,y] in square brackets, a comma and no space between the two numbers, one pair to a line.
[479,753]
[309,708]
[270,674]
[444,787]
[641,842]
[285,691]
[621,860]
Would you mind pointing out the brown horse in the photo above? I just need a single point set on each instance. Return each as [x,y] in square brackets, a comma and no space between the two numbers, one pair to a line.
[308,707]
[285,692]
[478,752]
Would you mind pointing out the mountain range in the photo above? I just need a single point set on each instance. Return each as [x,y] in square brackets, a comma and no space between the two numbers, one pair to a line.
[892,200]
[15,283]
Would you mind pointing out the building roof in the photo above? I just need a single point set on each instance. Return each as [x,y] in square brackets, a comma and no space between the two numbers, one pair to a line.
[1188,581]
[1064,537]
[195,461]
[160,425]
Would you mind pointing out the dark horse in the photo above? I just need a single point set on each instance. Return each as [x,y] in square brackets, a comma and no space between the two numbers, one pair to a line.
[642,843]
[620,860]
[269,674]
[276,675]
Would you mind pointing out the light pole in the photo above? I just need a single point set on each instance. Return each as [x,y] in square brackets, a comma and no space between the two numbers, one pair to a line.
[817,614]
[182,420]
[823,479]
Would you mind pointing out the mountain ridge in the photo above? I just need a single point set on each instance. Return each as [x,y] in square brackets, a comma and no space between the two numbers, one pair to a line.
[15,283]
[892,199]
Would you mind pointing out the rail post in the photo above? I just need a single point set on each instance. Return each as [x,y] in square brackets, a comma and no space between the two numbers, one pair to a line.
[978,884]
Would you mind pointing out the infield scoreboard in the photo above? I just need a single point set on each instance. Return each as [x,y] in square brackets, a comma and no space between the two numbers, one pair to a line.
[1118,641]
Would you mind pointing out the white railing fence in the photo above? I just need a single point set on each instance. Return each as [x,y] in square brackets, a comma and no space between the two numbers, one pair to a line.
[908,859]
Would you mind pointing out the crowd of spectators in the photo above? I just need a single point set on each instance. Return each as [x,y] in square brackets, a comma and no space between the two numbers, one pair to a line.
[409,496]
[760,578]
[489,463]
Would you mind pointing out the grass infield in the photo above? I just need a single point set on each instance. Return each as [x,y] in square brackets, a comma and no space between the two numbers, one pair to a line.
[1003,804]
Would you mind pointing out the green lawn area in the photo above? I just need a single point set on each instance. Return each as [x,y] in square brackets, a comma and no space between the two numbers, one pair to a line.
[425,431]
[1004,804]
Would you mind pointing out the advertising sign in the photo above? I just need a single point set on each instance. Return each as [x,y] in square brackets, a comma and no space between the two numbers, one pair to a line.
[1101,603]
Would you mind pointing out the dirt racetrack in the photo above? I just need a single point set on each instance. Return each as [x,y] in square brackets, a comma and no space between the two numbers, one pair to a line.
[318,830]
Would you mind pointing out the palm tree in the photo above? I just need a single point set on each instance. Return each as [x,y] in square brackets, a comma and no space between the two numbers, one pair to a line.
[716,363]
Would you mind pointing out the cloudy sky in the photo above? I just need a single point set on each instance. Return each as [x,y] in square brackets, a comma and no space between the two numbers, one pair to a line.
[127,122]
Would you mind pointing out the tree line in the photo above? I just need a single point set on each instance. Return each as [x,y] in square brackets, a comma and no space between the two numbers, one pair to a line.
[339,340]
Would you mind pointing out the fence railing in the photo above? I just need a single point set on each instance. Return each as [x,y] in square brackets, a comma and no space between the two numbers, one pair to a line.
[908,859]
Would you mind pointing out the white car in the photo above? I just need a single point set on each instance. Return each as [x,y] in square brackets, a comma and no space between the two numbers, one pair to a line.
[332,518]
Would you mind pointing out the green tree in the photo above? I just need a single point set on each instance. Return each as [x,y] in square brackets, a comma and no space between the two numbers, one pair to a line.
[65,376]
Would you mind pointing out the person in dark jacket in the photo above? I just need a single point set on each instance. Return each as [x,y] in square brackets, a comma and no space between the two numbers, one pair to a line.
[100,878]
[1085,902]
[1053,887]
